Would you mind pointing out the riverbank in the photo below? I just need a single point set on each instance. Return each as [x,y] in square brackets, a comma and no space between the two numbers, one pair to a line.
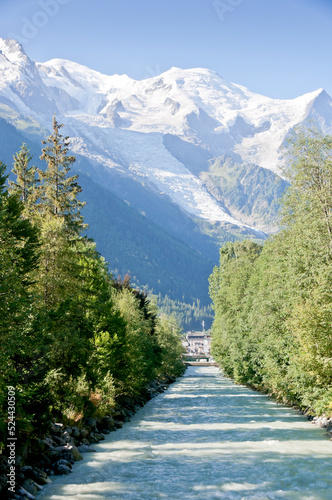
[61,447]
[320,420]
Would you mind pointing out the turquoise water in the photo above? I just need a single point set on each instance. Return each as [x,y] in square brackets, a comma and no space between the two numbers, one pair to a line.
[205,438]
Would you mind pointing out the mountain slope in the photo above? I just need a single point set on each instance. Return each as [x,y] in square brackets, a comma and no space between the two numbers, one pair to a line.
[128,240]
[185,159]
[164,130]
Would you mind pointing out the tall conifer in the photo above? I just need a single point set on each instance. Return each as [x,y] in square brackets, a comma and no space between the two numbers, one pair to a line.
[26,182]
[59,193]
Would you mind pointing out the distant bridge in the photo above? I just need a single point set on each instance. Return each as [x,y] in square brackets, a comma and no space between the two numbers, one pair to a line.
[199,360]
[201,363]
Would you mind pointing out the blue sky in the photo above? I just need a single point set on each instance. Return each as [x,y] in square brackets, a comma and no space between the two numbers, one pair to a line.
[279,48]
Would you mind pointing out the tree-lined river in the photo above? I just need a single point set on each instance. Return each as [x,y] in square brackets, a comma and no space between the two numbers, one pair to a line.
[205,438]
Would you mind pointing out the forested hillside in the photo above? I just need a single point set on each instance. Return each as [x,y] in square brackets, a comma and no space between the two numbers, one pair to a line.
[273,304]
[73,339]
[158,258]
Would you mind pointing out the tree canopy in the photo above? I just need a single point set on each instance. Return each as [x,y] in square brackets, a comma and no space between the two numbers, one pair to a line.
[273,304]
[73,339]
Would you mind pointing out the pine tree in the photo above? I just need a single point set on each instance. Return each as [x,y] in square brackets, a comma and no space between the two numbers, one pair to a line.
[18,258]
[26,182]
[58,191]
[60,221]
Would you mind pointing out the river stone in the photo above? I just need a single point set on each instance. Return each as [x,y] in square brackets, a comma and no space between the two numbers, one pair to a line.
[84,433]
[108,422]
[49,443]
[99,436]
[56,429]
[62,452]
[92,439]
[62,467]
[75,432]
[74,451]
[91,422]
[59,441]
[69,452]
[30,486]
[66,436]
[324,422]
[44,460]
[36,474]
[23,493]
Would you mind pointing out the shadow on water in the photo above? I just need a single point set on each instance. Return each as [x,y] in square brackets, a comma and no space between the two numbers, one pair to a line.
[210,446]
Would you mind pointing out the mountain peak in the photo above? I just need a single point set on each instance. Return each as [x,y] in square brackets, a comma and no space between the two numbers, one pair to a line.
[12,49]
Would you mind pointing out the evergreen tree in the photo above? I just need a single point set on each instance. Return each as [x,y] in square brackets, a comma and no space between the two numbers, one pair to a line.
[18,258]
[26,182]
[60,221]
[59,192]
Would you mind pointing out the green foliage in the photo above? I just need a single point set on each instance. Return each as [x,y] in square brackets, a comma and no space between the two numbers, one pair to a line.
[25,185]
[59,192]
[169,341]
[73,339]
[189,316]
[274,307]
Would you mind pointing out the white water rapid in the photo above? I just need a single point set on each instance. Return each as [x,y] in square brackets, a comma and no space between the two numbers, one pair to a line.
[205,438]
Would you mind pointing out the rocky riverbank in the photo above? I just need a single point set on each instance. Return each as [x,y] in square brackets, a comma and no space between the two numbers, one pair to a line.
[324,423]
[56,453]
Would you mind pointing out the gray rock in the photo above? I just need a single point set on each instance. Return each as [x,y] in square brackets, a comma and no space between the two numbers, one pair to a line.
[56,429]
[32,487]
[84,433]
[76,433]
[36,474]
[62,467]
[98,436]
[66,436]
[92,439]
[108,422]
[324,422]
[91,422]
[25,494]
[74,451]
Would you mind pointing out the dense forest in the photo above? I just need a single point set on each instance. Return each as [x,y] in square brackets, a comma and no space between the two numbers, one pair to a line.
[273,304]
[73,338]
[190,316]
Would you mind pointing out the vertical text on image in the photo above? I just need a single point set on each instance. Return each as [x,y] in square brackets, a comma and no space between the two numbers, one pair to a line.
[11,438]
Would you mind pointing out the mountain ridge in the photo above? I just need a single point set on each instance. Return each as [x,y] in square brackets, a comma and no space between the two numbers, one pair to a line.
[163,131]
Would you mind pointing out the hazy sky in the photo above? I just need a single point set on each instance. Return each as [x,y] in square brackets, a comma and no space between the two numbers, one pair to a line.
[280,48]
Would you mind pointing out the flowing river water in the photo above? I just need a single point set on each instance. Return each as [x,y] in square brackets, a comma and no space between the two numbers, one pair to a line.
[205,438]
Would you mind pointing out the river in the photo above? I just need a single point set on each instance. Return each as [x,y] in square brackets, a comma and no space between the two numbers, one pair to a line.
[205,438]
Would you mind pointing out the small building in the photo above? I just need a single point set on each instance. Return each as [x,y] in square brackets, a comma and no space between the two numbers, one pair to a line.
[198,343]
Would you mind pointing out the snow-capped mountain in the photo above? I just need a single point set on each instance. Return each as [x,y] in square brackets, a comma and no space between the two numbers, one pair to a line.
[179,134]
